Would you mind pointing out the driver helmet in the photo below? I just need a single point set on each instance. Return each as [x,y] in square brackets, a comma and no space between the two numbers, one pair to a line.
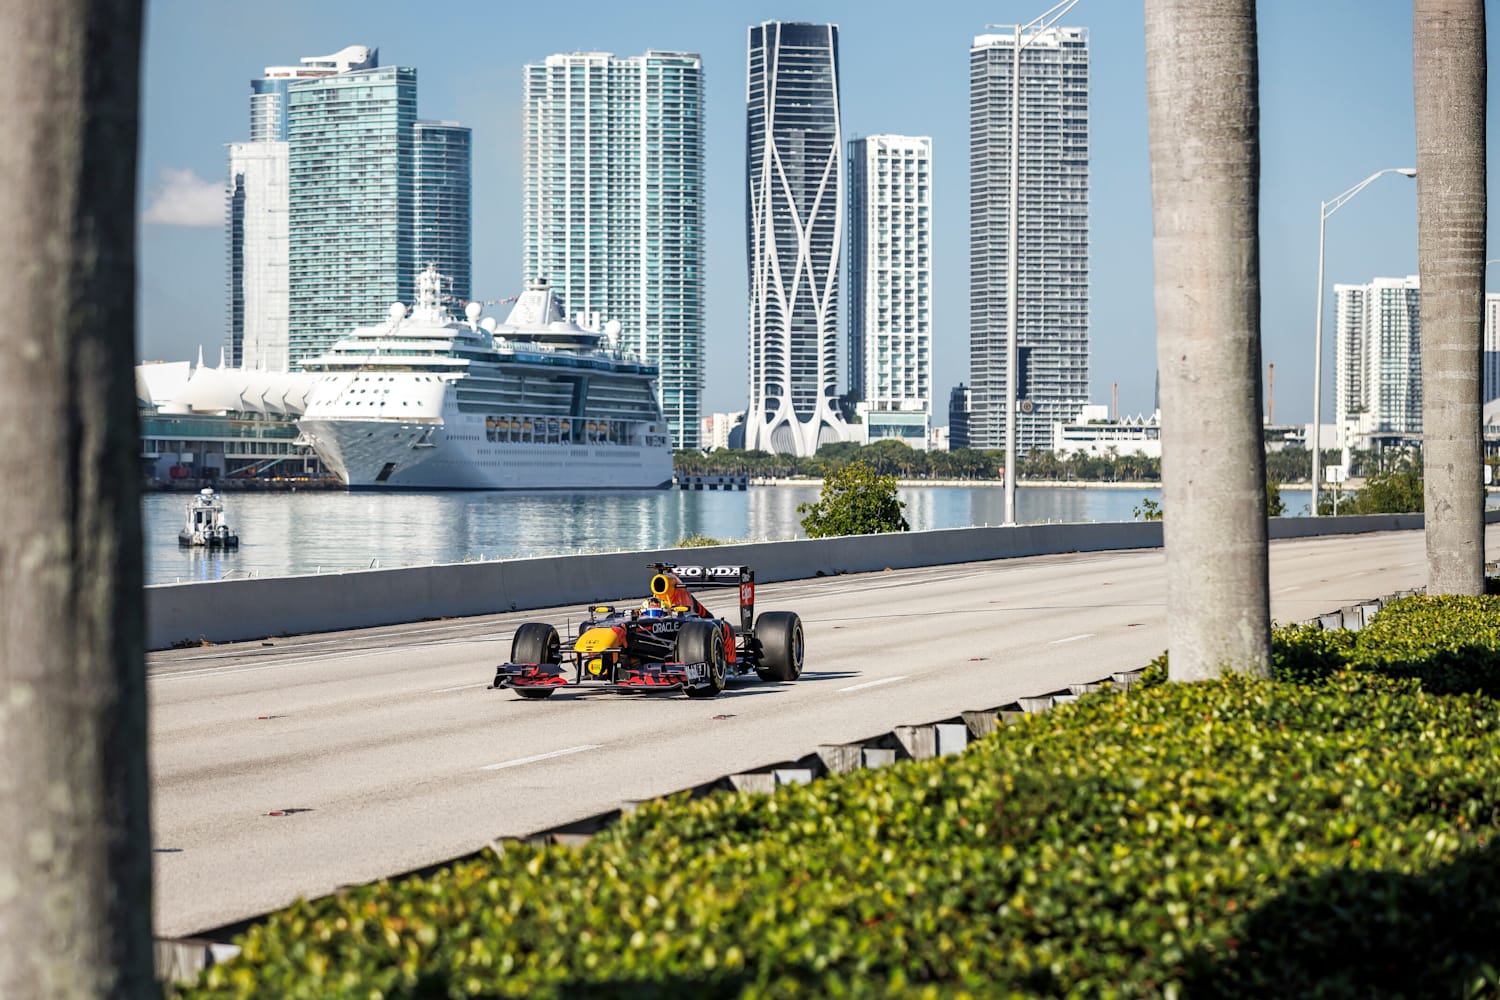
[652,608]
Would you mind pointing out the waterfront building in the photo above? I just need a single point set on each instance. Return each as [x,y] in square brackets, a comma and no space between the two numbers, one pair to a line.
[1091,432]
[256,229]
[256,211]
[268,94]
[1378,358]
[1052,296]
[210,424]
[1491,346]
[613,183]
[794,231]
[958,417]
[442,193]
[890,286]
[371,192]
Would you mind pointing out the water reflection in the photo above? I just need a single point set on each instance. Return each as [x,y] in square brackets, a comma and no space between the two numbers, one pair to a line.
[327,531]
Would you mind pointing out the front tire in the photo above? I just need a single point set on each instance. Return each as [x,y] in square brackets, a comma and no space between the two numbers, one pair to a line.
[703,642]
[535,642]
[779,642]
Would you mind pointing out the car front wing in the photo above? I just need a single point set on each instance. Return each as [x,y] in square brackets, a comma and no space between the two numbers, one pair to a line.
[647,677]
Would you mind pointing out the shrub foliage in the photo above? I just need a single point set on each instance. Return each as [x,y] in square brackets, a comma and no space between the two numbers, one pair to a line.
[856,500]
[1328,833]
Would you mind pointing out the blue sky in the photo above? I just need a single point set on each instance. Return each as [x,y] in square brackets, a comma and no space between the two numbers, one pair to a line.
[1336,106]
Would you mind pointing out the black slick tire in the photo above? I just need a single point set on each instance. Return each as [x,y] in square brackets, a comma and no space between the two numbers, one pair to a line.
[535,642]
[779,646]
[703,642]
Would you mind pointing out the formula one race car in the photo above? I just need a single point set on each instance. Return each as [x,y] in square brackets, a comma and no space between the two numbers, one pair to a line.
[672,642]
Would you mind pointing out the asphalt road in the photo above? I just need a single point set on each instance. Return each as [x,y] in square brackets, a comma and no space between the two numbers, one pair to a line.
[291,768]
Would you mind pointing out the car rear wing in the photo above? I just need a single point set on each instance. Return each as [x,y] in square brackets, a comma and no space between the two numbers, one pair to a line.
[670,579]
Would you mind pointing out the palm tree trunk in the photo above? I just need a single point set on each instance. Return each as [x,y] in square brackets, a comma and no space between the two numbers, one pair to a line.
[1202,105]
[75,850]
[1448,76]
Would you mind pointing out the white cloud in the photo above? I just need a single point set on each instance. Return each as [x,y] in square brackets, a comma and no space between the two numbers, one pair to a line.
[185,199]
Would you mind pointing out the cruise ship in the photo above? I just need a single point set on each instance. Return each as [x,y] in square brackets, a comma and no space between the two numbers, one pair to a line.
[427,401]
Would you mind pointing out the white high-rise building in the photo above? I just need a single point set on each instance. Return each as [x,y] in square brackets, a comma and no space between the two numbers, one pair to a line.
[1052,297]
[890,286]
[1491,383]
[257,229]
[1379,357]
[613,206]
[794,221]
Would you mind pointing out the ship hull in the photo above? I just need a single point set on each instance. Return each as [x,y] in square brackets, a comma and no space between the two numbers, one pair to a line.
[416,455]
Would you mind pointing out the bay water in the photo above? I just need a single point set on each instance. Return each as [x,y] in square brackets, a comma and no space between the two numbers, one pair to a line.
[329,531]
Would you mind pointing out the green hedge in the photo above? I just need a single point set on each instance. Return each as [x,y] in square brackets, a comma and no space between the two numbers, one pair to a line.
[1449,645]
[1264,838]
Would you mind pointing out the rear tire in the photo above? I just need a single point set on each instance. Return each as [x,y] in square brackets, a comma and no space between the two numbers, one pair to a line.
[779,645]
[703,642]
[535,642]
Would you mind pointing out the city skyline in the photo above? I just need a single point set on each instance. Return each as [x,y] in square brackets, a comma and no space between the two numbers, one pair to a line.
[613,217]
[899,75]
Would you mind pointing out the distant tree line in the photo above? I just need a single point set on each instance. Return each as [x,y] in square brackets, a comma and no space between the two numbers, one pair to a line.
[893,458]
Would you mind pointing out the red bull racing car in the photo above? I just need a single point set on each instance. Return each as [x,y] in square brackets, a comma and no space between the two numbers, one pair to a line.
[671,642]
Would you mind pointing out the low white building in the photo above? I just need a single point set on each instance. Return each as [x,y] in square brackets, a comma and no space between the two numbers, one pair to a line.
[201,423]
[1094,434]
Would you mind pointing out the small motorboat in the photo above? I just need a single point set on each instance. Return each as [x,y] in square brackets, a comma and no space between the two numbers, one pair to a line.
[205,523]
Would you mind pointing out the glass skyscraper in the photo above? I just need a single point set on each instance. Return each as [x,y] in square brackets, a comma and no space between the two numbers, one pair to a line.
[443,202]
[256,214]
[1052,295]
[794,221]
[341,197]
[890,285]
[352,250]
[268,94]
[613,206]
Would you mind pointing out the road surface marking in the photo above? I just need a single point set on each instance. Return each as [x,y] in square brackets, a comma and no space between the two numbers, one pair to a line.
[461,687]
[230,669]
[870,684]
[1071,638]
[1288,590]
[541,756]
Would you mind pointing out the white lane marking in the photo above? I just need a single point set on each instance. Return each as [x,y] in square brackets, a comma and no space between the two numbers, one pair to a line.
[241,647]
[1071,638]
[870,684]
[541,756]
[228,670]
[461,687]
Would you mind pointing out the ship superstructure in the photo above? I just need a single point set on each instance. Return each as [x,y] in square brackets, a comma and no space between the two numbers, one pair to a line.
[427,401]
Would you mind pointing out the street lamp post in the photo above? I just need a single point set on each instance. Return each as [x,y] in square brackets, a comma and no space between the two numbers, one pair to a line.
[1036,27]
[1325,210]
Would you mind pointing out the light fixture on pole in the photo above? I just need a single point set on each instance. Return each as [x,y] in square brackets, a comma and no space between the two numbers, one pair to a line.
[1032,30]
[1325,210]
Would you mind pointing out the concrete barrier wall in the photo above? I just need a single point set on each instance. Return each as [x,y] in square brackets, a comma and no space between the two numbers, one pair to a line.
[231,610]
